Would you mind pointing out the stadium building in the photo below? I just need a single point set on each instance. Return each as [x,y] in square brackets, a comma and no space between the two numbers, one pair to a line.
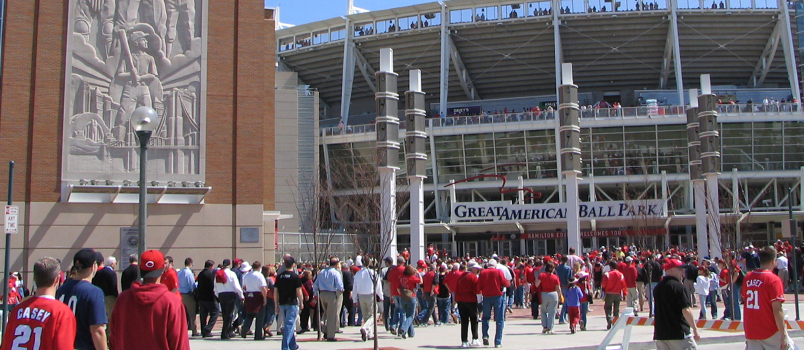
[490,70]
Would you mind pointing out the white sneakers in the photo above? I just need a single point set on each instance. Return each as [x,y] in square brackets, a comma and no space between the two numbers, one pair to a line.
[464,345]
[475,342]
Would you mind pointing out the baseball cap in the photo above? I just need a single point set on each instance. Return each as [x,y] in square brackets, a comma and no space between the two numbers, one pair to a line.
[388,259]
[674,263]
[98,257]
[226,262]
[84,258]
[421,263]
[238,261]
[474,265]
[152,264]
[245,267]
[629,259]
[492,262]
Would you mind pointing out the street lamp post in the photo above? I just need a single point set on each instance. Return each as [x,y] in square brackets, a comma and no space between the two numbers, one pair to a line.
[144,120]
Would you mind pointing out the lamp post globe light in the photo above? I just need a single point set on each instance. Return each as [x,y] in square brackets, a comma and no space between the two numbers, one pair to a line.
[144,120]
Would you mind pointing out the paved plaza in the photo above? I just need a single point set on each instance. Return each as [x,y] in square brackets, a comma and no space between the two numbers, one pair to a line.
[521,332]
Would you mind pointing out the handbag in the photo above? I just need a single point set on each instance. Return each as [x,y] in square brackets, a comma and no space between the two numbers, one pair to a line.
[406,294]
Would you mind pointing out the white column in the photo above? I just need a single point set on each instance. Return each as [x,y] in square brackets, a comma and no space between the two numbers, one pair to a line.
[573,218]
[443,83]
[714,216]
[789,52]
[676,50]
[416,218]
[699,192]
[388,211]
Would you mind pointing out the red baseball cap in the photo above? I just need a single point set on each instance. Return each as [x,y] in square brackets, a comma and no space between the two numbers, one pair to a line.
[421,263]
[674,263]
[152,264]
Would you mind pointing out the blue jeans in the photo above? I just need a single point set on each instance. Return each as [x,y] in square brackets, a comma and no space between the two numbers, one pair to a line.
[713,303]
[584,310]
[499,317]
[289,313]
[388,312]
[428,308]
[443,310]
[519,296]
[407,312]
[735,300]
[562,317]
[270,313]
[396,311]
[650,288]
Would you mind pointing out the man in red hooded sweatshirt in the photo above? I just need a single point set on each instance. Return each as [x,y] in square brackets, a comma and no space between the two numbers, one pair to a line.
[149,308]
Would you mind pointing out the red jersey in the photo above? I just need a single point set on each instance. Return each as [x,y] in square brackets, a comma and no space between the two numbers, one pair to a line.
[171,280]
[760,289]
[393,278]
[529,277]
[614,283]
[430,251]
[451,280]
[467,289]
[427,281]
[548,282]
[492,281]
[409,282]
[40,323]
[630,274]
[725,277]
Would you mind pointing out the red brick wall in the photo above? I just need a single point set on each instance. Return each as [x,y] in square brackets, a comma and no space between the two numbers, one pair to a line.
[240,113]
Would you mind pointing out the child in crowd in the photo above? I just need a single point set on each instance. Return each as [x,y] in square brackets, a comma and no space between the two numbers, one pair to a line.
[573,300]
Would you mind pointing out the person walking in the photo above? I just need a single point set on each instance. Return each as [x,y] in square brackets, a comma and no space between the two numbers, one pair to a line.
[256,296]
[631,274]
[368,289]
[492,284]
[674,326]
[57,330]
[466,291]
[328,287]
[564,272]
[208,307]
[106,280]
[573,302]
[187,291]
[614,285]
[586,289]
[86,301]
[148,315]
[442,297]
[408,283]
[701,287]
[429,290]
[229,291]
[763,293]
[289,298]
[130,274]
[394,274]
[269,272]
[307,312]
[550,287]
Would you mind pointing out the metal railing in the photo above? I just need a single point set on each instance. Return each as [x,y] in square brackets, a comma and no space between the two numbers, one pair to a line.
[587,113]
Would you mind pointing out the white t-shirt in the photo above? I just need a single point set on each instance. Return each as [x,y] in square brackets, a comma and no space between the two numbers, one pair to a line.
[253,281]
[781,263]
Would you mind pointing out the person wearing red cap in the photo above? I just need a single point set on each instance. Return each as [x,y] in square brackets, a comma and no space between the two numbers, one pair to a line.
[148,315]
[51,320]
[763,293]
[614,285]
[674,326]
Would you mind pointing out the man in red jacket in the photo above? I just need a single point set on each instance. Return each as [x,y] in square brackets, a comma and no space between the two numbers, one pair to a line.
[614,285]
[148,315]
[630,273]
[492,281]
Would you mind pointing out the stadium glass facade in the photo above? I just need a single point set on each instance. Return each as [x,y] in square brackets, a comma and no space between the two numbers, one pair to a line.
[637,152]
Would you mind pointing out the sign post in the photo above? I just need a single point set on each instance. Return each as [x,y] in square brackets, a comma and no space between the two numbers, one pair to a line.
[9,210]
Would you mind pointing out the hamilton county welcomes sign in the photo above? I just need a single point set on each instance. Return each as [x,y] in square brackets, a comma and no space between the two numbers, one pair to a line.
[503,211]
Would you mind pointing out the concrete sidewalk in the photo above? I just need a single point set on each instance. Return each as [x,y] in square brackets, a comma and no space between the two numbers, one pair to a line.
[521,332]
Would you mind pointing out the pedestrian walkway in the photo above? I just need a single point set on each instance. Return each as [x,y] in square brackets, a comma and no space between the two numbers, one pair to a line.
[521,332]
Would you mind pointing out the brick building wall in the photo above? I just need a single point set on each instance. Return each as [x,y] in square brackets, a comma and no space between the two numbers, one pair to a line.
[239,148]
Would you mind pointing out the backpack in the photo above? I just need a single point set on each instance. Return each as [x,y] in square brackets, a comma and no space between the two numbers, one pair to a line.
[220,276]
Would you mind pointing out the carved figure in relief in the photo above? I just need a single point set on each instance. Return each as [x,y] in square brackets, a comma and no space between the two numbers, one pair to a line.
[102,11]
[180,24]
[137,73]
[128,13]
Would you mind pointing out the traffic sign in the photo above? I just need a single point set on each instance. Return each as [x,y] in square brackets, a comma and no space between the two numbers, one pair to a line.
[12,214]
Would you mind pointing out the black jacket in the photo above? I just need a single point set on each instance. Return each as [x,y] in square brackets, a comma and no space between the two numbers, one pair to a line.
[206,286]
[106,280]
[128,275]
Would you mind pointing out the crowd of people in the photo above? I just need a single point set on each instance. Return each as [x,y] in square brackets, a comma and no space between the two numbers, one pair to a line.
[82,309]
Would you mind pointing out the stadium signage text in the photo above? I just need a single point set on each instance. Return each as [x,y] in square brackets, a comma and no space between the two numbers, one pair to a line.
[503,211]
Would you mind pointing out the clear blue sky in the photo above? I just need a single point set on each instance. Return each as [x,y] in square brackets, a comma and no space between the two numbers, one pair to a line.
[306,11]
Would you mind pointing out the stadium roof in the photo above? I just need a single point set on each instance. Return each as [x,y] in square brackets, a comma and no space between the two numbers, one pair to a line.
[505,57]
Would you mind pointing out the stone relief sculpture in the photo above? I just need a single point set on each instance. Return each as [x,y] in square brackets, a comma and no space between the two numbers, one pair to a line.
[123,54]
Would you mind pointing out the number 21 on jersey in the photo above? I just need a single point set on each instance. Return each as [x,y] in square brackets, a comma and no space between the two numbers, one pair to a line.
[752,299]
